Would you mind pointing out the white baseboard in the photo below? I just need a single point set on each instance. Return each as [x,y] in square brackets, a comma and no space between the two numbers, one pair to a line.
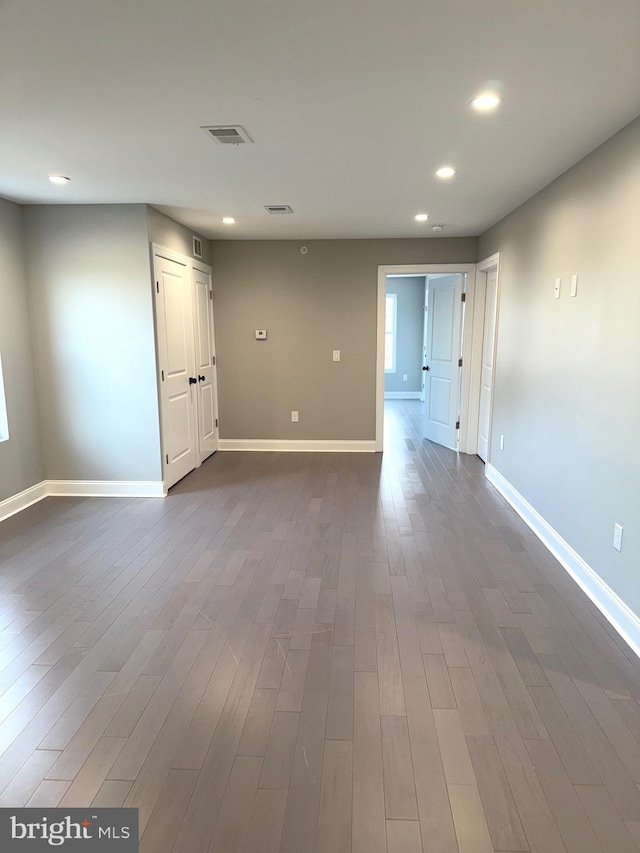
[80,488]
[403,395]
[619,614]
[16,503]
[304,446]
[106,488]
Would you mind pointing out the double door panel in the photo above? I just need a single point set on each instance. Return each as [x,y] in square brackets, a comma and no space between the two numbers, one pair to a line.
[186,355]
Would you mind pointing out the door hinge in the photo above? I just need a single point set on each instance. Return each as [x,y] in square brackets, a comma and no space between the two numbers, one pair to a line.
[464,297]
[157,287]
[459,362]
[211,294]
[457,424]
[166,456]
[214,358]
[216,423]
[162,372]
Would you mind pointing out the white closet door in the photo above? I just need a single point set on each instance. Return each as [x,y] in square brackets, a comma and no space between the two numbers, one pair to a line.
[174,316]
[205,363]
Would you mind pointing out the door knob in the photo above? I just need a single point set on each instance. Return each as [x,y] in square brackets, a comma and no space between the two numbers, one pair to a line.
[426,367]
[192,380]
[201,378]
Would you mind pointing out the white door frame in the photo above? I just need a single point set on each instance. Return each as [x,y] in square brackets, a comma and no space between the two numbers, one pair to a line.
[477,313]
[422,269]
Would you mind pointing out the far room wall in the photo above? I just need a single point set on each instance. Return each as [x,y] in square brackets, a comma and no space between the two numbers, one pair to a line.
[310,304]
[410,295]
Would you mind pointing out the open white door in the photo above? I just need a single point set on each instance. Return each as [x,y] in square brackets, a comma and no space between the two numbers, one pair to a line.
[174,316]
[486,376]
[442,356]
[205,363]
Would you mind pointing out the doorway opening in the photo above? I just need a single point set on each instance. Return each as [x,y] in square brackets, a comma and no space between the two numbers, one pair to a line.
[445,330]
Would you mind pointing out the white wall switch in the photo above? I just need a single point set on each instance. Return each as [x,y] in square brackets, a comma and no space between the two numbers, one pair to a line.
[336,355]
[556,288]
[261,334]
[501,442]
[405,377]
[617,536]
[574,285]
[294,417]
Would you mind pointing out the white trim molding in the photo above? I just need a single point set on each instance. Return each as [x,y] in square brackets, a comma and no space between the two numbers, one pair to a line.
[304,446]
[80,488]
[106,488]
[612,607]
[16,503]
[403,395]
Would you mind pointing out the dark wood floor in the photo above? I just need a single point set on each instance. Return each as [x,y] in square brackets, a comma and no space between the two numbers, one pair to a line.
[316,652]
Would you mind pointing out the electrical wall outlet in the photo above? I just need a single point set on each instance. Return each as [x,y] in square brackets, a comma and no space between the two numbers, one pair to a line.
[294,417]
[261,334]
[617,536]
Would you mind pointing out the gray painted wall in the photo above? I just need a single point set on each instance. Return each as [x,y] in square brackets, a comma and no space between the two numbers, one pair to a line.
[21,463]
[91,304]
[172,235]
[310,305]
[567,396]
[410,331]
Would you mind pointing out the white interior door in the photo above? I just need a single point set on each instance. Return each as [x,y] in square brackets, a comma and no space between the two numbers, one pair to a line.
[486,376]
[443,351]
[424,388]
[206,388]
[174,317]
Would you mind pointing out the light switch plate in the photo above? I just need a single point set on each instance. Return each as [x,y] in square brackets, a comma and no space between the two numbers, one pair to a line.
[574,285]
[336,355]
[617,536]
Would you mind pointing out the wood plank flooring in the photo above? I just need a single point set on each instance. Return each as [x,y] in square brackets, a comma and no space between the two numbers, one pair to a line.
[316,653]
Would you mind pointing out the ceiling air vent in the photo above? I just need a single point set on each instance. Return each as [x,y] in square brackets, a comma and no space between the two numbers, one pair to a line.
[228,134]
[278,208]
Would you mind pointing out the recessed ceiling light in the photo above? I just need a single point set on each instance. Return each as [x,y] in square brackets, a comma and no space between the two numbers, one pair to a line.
[486,102]
[228,220]
[59,180]
[446,172]
[421,217]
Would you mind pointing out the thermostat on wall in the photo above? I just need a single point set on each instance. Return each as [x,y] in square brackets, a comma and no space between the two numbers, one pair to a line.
[261,334]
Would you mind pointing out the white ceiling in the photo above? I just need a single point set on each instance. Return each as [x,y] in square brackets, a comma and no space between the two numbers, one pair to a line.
[352,104]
